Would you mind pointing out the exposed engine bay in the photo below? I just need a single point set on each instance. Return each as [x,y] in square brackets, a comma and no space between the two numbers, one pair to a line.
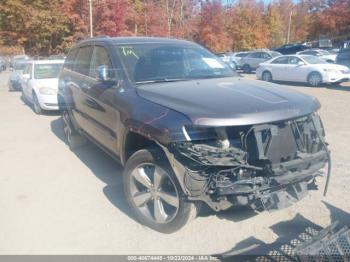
[266,166]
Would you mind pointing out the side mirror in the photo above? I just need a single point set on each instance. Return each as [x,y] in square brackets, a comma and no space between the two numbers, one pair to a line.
[103,73]
[300,63]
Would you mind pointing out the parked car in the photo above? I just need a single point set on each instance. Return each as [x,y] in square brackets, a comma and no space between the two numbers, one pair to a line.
[15,76]
[237,57]
[343,57]
[253,59]
[302,68]
[322,54]
[226,58]
[40,84]
[3,64]
[188,129]
[18,58]
[290,49]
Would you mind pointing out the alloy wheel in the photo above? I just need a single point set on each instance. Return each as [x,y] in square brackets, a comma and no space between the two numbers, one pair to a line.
[66,126]
[315,79]
[267,77]
[154,193]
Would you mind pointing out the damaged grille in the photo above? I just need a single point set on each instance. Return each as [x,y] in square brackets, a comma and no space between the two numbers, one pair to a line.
[252,164]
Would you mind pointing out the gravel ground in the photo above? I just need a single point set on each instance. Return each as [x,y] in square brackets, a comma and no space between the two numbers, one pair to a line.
[54,201]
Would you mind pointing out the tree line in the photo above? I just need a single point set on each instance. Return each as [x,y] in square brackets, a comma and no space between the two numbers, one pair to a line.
[44,27]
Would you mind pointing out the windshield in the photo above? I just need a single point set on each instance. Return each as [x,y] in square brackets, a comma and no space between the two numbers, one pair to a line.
[161,62]
[313,60]
[43,71]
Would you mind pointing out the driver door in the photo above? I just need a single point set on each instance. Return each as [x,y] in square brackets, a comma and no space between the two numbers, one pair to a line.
[99,100]
[296,70]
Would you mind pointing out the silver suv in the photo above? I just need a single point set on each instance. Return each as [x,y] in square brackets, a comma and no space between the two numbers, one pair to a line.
[253,59]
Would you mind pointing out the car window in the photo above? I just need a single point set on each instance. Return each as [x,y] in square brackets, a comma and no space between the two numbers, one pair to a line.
[266,56]
[242,54]
[280,60]
[293,60]
[82,61]
[275,54]
[313,60]
[100,57]
[46,71]
[255,55]
[69,62]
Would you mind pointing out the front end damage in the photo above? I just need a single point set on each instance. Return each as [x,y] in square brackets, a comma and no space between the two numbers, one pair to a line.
[266,166]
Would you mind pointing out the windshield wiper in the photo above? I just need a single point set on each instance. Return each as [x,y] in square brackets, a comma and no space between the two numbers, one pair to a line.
[161,80]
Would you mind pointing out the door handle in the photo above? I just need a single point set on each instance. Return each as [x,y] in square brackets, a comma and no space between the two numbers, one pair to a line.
[94,105]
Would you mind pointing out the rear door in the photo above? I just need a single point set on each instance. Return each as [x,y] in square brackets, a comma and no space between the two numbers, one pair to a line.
[79,85]
[254,59]
[278,68]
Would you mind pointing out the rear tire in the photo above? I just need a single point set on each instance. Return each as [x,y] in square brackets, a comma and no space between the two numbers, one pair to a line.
[73,139]
[163,206]
[314,79]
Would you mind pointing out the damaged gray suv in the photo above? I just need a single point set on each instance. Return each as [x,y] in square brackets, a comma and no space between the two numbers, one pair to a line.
[188,130]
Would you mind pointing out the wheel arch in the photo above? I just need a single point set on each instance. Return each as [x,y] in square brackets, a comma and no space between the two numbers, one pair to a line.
[134,142]
[314,72]
[265,70]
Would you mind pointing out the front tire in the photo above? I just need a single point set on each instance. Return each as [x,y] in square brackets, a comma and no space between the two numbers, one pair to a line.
[314,79]
[37,108]
[266,76]
[154,193]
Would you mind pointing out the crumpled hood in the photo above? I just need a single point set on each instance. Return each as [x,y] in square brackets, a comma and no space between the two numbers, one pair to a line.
[230,101]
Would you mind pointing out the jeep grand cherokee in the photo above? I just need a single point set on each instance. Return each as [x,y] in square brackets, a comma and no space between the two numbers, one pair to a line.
[188,129]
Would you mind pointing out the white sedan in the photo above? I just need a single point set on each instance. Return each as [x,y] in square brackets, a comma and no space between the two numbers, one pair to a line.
[39,83]
[302,68]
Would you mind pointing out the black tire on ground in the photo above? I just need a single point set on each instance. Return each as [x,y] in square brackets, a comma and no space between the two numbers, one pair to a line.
[36,106]
[266,76]
[314,79]
[11,87]
[154,193]
[73,138]
[246,68]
